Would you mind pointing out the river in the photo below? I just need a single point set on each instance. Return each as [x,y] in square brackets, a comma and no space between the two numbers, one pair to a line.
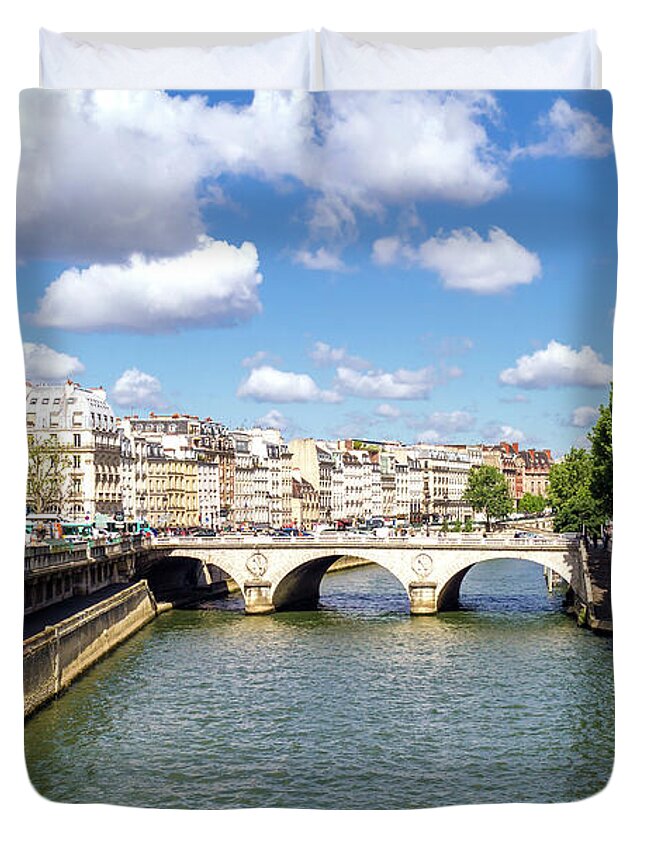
[355,705]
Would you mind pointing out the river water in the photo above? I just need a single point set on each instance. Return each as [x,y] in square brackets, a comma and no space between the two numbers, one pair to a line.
[354,705]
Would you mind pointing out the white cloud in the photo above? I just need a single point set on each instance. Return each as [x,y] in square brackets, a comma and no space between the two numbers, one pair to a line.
[464,260]
[558,365]
[274,419]
[268,385]
[323,354]
[398,147]
[216,284]
[569,132]
[377,384]
[442,426]
[136,389]
[386,410]
[387,251]
[105,174]
[321,259]
[584,416]
[259,357]
[494,433]
[42,363]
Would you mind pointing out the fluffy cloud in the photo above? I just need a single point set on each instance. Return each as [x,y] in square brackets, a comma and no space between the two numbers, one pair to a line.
[399,147]
[569,132]
[42,363]
[558,365]
[268,385]
[275,420]
[464,260]
[216,284]
[494,433]
[105,174]
[378,384]
[324,355]
[584,416]
[321,259]
[135,389]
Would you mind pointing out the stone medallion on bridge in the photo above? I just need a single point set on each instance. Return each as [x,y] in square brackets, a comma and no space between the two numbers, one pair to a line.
[257,564]
[422,564]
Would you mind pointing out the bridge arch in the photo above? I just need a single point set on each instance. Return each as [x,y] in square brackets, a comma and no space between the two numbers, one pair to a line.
[301,584]
[173,576]
[448,593]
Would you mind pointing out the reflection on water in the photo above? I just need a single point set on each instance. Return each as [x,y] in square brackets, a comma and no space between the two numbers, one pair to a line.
[353,705]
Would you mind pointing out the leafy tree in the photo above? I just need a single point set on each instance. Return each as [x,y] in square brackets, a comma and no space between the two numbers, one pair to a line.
[531,504]
[570,495]
[468,525]
[48,462]
[444,526]
[602,475]
[456,527]
[487,491]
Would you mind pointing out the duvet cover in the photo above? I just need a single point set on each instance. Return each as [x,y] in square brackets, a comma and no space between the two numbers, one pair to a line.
[319,416]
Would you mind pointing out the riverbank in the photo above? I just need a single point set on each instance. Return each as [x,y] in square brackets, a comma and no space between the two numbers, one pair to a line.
[591,598]
[55,656]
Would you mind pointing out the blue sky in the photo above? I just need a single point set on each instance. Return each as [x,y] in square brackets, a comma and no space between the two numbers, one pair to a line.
[435,266]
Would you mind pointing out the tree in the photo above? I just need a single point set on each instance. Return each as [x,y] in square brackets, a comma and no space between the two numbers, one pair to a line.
[531,504]
[574,506]
[468,525]
[456,527]
[487,491]
[602,474]
[48,462]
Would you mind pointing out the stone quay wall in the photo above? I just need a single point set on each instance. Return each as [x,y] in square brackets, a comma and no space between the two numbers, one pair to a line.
[56,656]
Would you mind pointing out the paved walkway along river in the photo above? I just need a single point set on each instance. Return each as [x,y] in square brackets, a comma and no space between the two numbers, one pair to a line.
[353,705]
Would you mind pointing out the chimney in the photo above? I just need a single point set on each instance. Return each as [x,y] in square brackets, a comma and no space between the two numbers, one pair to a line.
[516,447]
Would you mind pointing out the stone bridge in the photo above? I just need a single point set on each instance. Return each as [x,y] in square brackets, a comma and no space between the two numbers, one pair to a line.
[274,574]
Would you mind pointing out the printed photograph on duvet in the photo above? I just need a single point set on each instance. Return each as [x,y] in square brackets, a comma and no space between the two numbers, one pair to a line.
[318,511]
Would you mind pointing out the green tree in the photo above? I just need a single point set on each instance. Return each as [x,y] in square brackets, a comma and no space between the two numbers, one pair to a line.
[468,525]
[574,506]
[48,462]
[487,492]
[456,527]
[531,504]
[602,474]
[444,526]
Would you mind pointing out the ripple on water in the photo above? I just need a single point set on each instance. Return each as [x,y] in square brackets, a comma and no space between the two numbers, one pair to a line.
[354,705]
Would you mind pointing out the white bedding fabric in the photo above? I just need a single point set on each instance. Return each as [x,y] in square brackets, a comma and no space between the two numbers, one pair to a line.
[566,62]
[286,62]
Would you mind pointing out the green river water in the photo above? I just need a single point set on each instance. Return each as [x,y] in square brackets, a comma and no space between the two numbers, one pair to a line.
[354,705]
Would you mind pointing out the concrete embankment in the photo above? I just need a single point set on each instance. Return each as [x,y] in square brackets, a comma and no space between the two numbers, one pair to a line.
[53,658]
[590,592]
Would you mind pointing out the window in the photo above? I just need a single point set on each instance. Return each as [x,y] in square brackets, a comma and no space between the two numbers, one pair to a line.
[31,419]
[56,400]
[45,400]
[77,439]
[76,461]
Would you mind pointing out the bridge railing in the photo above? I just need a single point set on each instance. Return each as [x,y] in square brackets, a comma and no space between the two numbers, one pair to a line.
[61,552]
[357,540]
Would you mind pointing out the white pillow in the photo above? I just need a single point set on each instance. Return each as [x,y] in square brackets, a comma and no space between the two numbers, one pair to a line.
[286,62]
[566,62]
